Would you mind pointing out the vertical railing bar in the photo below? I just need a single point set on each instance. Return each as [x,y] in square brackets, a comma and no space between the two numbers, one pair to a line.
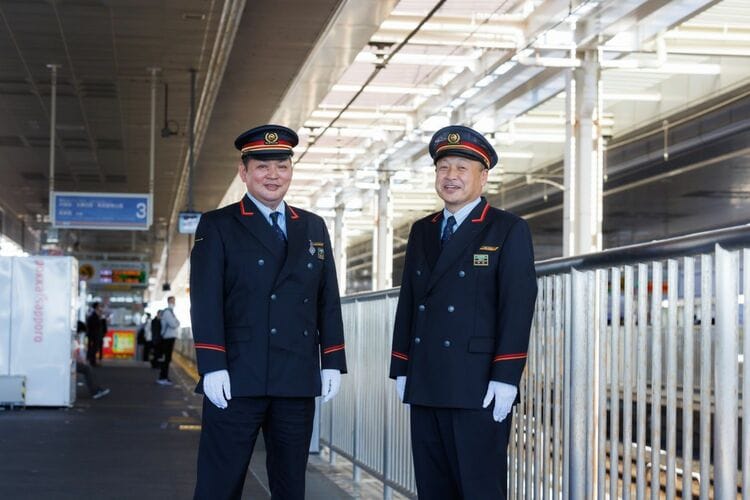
[688,367]
[627,385]
[745,372]
[656,378]
[641,382]
[512,453]
[726,349]
[557,432]
[356,452]
[671,376]
[549,358]
[601,342]
[705,402]
[614,432]
[592,384]
[579,388]
[567,389]
[530,416]
[540,377]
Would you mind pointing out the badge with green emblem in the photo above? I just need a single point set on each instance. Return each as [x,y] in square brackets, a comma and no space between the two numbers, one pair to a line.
[481,260]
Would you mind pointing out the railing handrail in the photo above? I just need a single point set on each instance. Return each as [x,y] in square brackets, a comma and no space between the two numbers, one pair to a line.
[692,244]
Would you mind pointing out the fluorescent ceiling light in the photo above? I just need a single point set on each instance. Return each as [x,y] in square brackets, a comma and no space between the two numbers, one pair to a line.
[650,97]
[485,81]
[452,27]
[319,113]
[382,126]
[469,93]
[527,136]
[387,89]
[520,155]
[435,122]
[504,68]
[421,59]
[334,150]
[456,102]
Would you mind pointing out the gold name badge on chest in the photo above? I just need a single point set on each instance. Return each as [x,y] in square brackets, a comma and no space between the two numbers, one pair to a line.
[481,260]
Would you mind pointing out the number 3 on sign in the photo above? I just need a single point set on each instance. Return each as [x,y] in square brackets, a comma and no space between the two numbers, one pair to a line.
[140,210]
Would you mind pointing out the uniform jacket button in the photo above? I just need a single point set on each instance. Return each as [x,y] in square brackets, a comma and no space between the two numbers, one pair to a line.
[417,340]
[461,274]
[261,262]
[309,265]
[305,333]
[419,273]
[446,343]
[273,331]
[273,296]
[451,309]
[306,300]
[421,307]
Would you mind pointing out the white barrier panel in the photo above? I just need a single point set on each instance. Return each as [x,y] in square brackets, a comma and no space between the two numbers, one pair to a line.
[43,320]
[5,308]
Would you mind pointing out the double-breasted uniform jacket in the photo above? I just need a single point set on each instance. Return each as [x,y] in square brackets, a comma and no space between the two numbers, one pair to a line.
[269,317]
[464,313]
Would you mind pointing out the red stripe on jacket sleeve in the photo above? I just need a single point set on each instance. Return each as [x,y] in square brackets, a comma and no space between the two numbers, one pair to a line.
[400,355]
[508,357]
[210,347]
[334,348]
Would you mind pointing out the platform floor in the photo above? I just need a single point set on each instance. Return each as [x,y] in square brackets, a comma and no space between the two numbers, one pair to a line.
[140,442]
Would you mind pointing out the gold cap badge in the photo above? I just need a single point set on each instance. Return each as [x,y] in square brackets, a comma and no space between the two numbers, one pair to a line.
[454,138]
[271,138]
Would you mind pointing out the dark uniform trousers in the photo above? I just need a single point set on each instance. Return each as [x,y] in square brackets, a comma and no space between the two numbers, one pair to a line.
[463,319]
[228,438]
[441,435]
[269,313]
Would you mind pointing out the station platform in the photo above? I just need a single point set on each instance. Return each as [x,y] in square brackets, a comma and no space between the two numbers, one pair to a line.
[140,441]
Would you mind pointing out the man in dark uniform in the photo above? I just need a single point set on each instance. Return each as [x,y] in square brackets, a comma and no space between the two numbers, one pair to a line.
[266,315]
[462,326]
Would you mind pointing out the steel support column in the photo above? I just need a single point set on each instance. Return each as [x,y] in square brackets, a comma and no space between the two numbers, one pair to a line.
[583,163]
[383,273]
[52,135]
[339,244]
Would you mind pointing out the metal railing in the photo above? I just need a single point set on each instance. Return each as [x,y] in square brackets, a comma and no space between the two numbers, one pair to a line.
[614,338]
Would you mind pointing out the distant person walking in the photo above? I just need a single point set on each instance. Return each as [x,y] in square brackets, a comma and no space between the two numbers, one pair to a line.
[94,332]
[169,329]
[156,340]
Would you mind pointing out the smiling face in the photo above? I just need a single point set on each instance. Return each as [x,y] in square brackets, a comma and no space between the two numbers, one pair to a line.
[267,180]
[459,181]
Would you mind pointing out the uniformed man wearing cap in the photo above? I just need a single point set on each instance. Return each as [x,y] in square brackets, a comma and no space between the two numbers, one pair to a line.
[462,326]
[266,316]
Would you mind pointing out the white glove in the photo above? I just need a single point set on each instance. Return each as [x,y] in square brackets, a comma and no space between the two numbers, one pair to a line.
[331,381]
[400,386]
[504,396]
[216,388]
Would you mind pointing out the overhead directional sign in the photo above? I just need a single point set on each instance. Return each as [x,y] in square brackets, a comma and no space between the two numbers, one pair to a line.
[101,210]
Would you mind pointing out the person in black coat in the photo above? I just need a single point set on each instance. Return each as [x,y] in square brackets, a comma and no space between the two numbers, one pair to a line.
[462,326]
[95,331]
[266,316]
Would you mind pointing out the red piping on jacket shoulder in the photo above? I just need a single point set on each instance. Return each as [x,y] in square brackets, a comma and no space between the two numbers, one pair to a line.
[242,208]
[437,217]
[484,213]
[293,213]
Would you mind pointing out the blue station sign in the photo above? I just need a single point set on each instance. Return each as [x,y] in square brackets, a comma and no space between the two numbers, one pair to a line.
[101,210]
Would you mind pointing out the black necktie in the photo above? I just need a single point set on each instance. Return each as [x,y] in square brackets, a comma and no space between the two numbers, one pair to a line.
[447,230]
[276,228]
